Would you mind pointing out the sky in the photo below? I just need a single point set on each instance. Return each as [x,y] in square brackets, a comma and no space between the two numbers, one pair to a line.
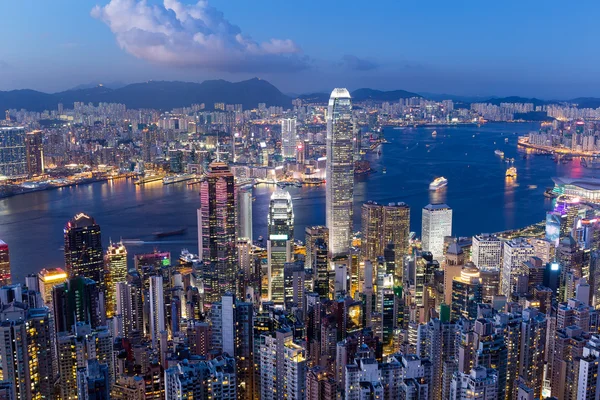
[546,49]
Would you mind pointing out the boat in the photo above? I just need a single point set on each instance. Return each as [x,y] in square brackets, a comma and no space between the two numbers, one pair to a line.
[438,183]
[434,133]
[505,140]
[384,170]
[532,186]
[549,192]
[499,153]
[260,238]
[170,233]
[511,172]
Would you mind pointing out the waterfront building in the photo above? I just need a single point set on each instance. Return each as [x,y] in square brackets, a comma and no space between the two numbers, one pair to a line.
[115,261]
[487,252]
[279,243]
[5,274]
[216,231]
[339,172]
[436,225]
[34,149]
[288,137]
[13,157]
[586,189]
[83,249]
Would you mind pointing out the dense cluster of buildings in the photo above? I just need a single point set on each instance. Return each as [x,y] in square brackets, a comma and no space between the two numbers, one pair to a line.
[369,315]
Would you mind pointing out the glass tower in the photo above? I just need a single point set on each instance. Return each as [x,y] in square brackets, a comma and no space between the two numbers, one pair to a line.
[279,244]
[84,255]
[340,172]
[13,158]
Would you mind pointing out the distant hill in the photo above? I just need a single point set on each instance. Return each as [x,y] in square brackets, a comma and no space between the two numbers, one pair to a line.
[91,85]
[516,99]
[163,95]
[364,94]
[586,102]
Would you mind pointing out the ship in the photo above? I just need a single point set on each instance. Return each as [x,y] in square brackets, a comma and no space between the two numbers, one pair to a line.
[438,183]
[434,133]
[592,164]
[170,233]
[511,172]
[505,140]
[499,153]
[384,170]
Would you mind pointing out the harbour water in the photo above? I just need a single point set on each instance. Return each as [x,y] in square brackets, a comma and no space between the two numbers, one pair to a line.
[482,198]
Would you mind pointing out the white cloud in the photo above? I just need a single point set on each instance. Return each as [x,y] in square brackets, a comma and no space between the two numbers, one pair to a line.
[193,35]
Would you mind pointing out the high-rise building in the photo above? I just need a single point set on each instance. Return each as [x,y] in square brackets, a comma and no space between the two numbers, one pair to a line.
[282,367]
[84,255]
[436,224]
[279,242]
[288,137]
[115,261]
[47,279]
[214,379]
[13,158]
[216,231]
[515,253]
[312,234]
[244,214]
[77,300]
[436,341]
[339,172]
[5,276]
[382,225]
[466,292]
[480,384]
[487,252]
[34,149]
[157,309]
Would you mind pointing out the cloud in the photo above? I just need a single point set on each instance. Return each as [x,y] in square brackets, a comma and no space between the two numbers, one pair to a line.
[194,35]
[358,64]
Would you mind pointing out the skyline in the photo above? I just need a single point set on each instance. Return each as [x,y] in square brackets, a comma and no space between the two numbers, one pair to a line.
[446,48]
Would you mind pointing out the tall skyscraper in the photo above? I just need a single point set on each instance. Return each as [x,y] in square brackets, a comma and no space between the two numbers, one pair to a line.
[216,231]
[436,224]
[515,253]
[13,158]
[83,249]
[339,172]
[78,300]
[34,149]
[487,252]
[279,242]
[312,234]
[382,225]
[5,276]
[244,214]
[288,137]
[157,309]
[47,279]
[115,261]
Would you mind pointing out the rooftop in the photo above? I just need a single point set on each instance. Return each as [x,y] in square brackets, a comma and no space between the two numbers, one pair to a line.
[584,183]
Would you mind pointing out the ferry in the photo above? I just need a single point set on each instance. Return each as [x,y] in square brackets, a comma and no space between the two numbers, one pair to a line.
[384,170]
[505,140]
[170,233]
[499,153]
[511,172]
[438,183]
[434,133]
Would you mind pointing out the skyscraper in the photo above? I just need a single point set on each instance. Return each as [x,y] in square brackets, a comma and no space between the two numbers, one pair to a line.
[13,159]
[78,300]
[436,224]
[288,137]
[487,252]
[83,249]
[382,225]
[47,279]
[515,252]
[115,262]
[216,231]
[157,309]
[34,149]
[244,216]
[279,242]
[5,276]
[339,172]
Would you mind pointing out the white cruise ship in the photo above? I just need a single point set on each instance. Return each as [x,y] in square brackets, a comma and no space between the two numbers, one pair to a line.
[438,183]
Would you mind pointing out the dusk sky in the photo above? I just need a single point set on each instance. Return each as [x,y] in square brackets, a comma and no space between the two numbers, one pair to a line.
[537,48]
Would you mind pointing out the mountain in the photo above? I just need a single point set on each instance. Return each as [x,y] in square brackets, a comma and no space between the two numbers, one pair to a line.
[517,99]
[315,97]
[112,85]
[454,97]
[364,94]
[163,95]
[586,102]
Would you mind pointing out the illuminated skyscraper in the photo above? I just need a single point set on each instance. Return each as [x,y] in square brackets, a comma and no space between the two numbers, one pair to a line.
[115,262]
[436,224]
[47,279]
[34,149]
[83,249]
[77,300]
[279,242]
[5,276]
[157,309]
[244,214]
[216,231]
[288,137]
[339,172]
[487,252]
[382,225]
[515,253]
[13,159]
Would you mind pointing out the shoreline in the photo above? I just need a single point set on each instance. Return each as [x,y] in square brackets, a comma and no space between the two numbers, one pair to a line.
[556,150]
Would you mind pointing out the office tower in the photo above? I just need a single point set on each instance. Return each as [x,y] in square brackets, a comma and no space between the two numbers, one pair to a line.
[466,293]
[294,284]
[214,379]
[128,305]
[515,252]
[244,214]
[371,224]
[26,351]
[282,367]
[279,242]
[13,157]
[115,261]
[77,300]
[157,309]
[47,279]
[34,150]
[339,172]
[320,268]
[216,231]
[487,252]
[490,282]
[288,137]
[382,225]
[543,249]
[5,276]
[480,384]
[436,341]
[533,348]
[83,249]
[312,234]
[244,248]
[455,260]
[93,381]
[436,224]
